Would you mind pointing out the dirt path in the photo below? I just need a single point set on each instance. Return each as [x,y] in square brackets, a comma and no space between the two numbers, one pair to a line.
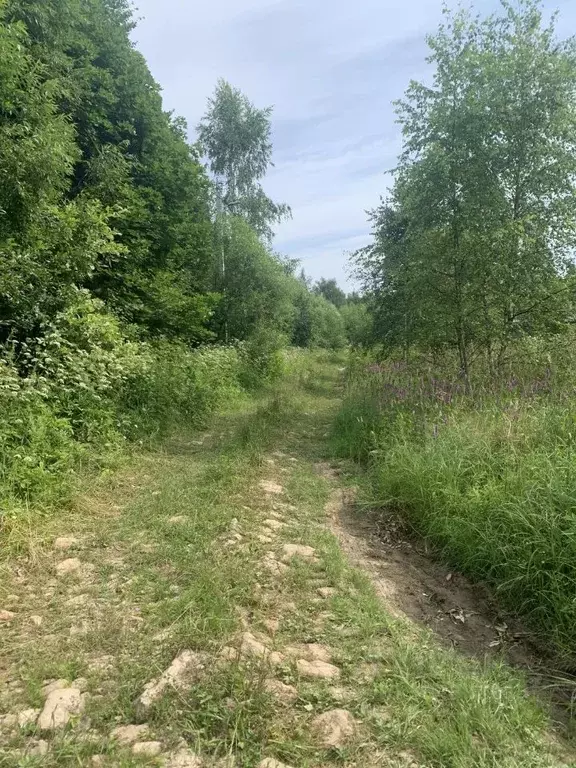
[198,610]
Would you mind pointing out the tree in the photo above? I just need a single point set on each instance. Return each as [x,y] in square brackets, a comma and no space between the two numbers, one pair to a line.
[317,322]
[331,292]
[126,156]
[357,323]
[235,137]
[257,292]
[470,248]
[48,245]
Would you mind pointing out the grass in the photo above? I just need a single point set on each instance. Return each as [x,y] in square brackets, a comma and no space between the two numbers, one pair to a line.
[489,481]
[166,578]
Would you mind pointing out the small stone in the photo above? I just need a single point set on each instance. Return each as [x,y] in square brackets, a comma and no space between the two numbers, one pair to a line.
[272,625]
[271,564]
[317,669]
[263,539]
[66,542]
[80,630]
[54,685]
[80,683]
[60,706]
[327,592]
[276,658]
[103,663]
[298,550]
[286,694]
[273,524]
[71,565]
[129,734]
[269,762]
[178,519]
[310,652]
[228,654]
[39,748]
[186,667]
[318,652]
[251,647]
[36,620]
[147,748]
[269,486]
[6,615]
[27,717]
[341,694]
[9,720]
[77,600]
[335,728]
[184,758]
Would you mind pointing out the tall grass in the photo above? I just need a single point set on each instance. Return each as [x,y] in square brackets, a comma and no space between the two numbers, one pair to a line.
[488,478]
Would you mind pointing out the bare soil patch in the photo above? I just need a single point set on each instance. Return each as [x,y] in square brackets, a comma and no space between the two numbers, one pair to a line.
[413,585]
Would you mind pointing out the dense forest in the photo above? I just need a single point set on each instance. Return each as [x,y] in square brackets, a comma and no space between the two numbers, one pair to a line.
[137,275]
[464,410]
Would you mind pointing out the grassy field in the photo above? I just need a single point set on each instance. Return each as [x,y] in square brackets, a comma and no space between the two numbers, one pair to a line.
[189,549]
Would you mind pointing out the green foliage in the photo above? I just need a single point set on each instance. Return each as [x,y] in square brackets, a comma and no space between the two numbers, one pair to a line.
[114,265]
[94,129]
[256,289]
[317,322]
[174,386]
[331,292]
[36,446]
[471,269]
[489,480]
[358,322]
[235,135]
[473,249]
[262,357]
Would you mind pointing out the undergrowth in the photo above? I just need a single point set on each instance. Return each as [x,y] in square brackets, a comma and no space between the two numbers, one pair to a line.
[86,391]
[489,478]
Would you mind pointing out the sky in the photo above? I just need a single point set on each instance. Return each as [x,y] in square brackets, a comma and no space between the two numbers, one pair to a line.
[331,69]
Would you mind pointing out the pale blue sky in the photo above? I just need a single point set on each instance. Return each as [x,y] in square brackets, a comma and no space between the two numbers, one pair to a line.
[331,69]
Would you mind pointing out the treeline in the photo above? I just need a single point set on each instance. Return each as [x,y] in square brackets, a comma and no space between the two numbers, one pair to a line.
[127,255]
[474,247]
[464,408]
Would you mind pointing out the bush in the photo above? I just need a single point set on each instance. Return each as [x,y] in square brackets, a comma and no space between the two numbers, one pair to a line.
[36,446]
[262,358]
[176,386]
[89,389]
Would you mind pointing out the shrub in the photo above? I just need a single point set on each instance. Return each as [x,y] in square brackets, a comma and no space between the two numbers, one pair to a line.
[36,446]
[88,389]
[262,358]
[176,385]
